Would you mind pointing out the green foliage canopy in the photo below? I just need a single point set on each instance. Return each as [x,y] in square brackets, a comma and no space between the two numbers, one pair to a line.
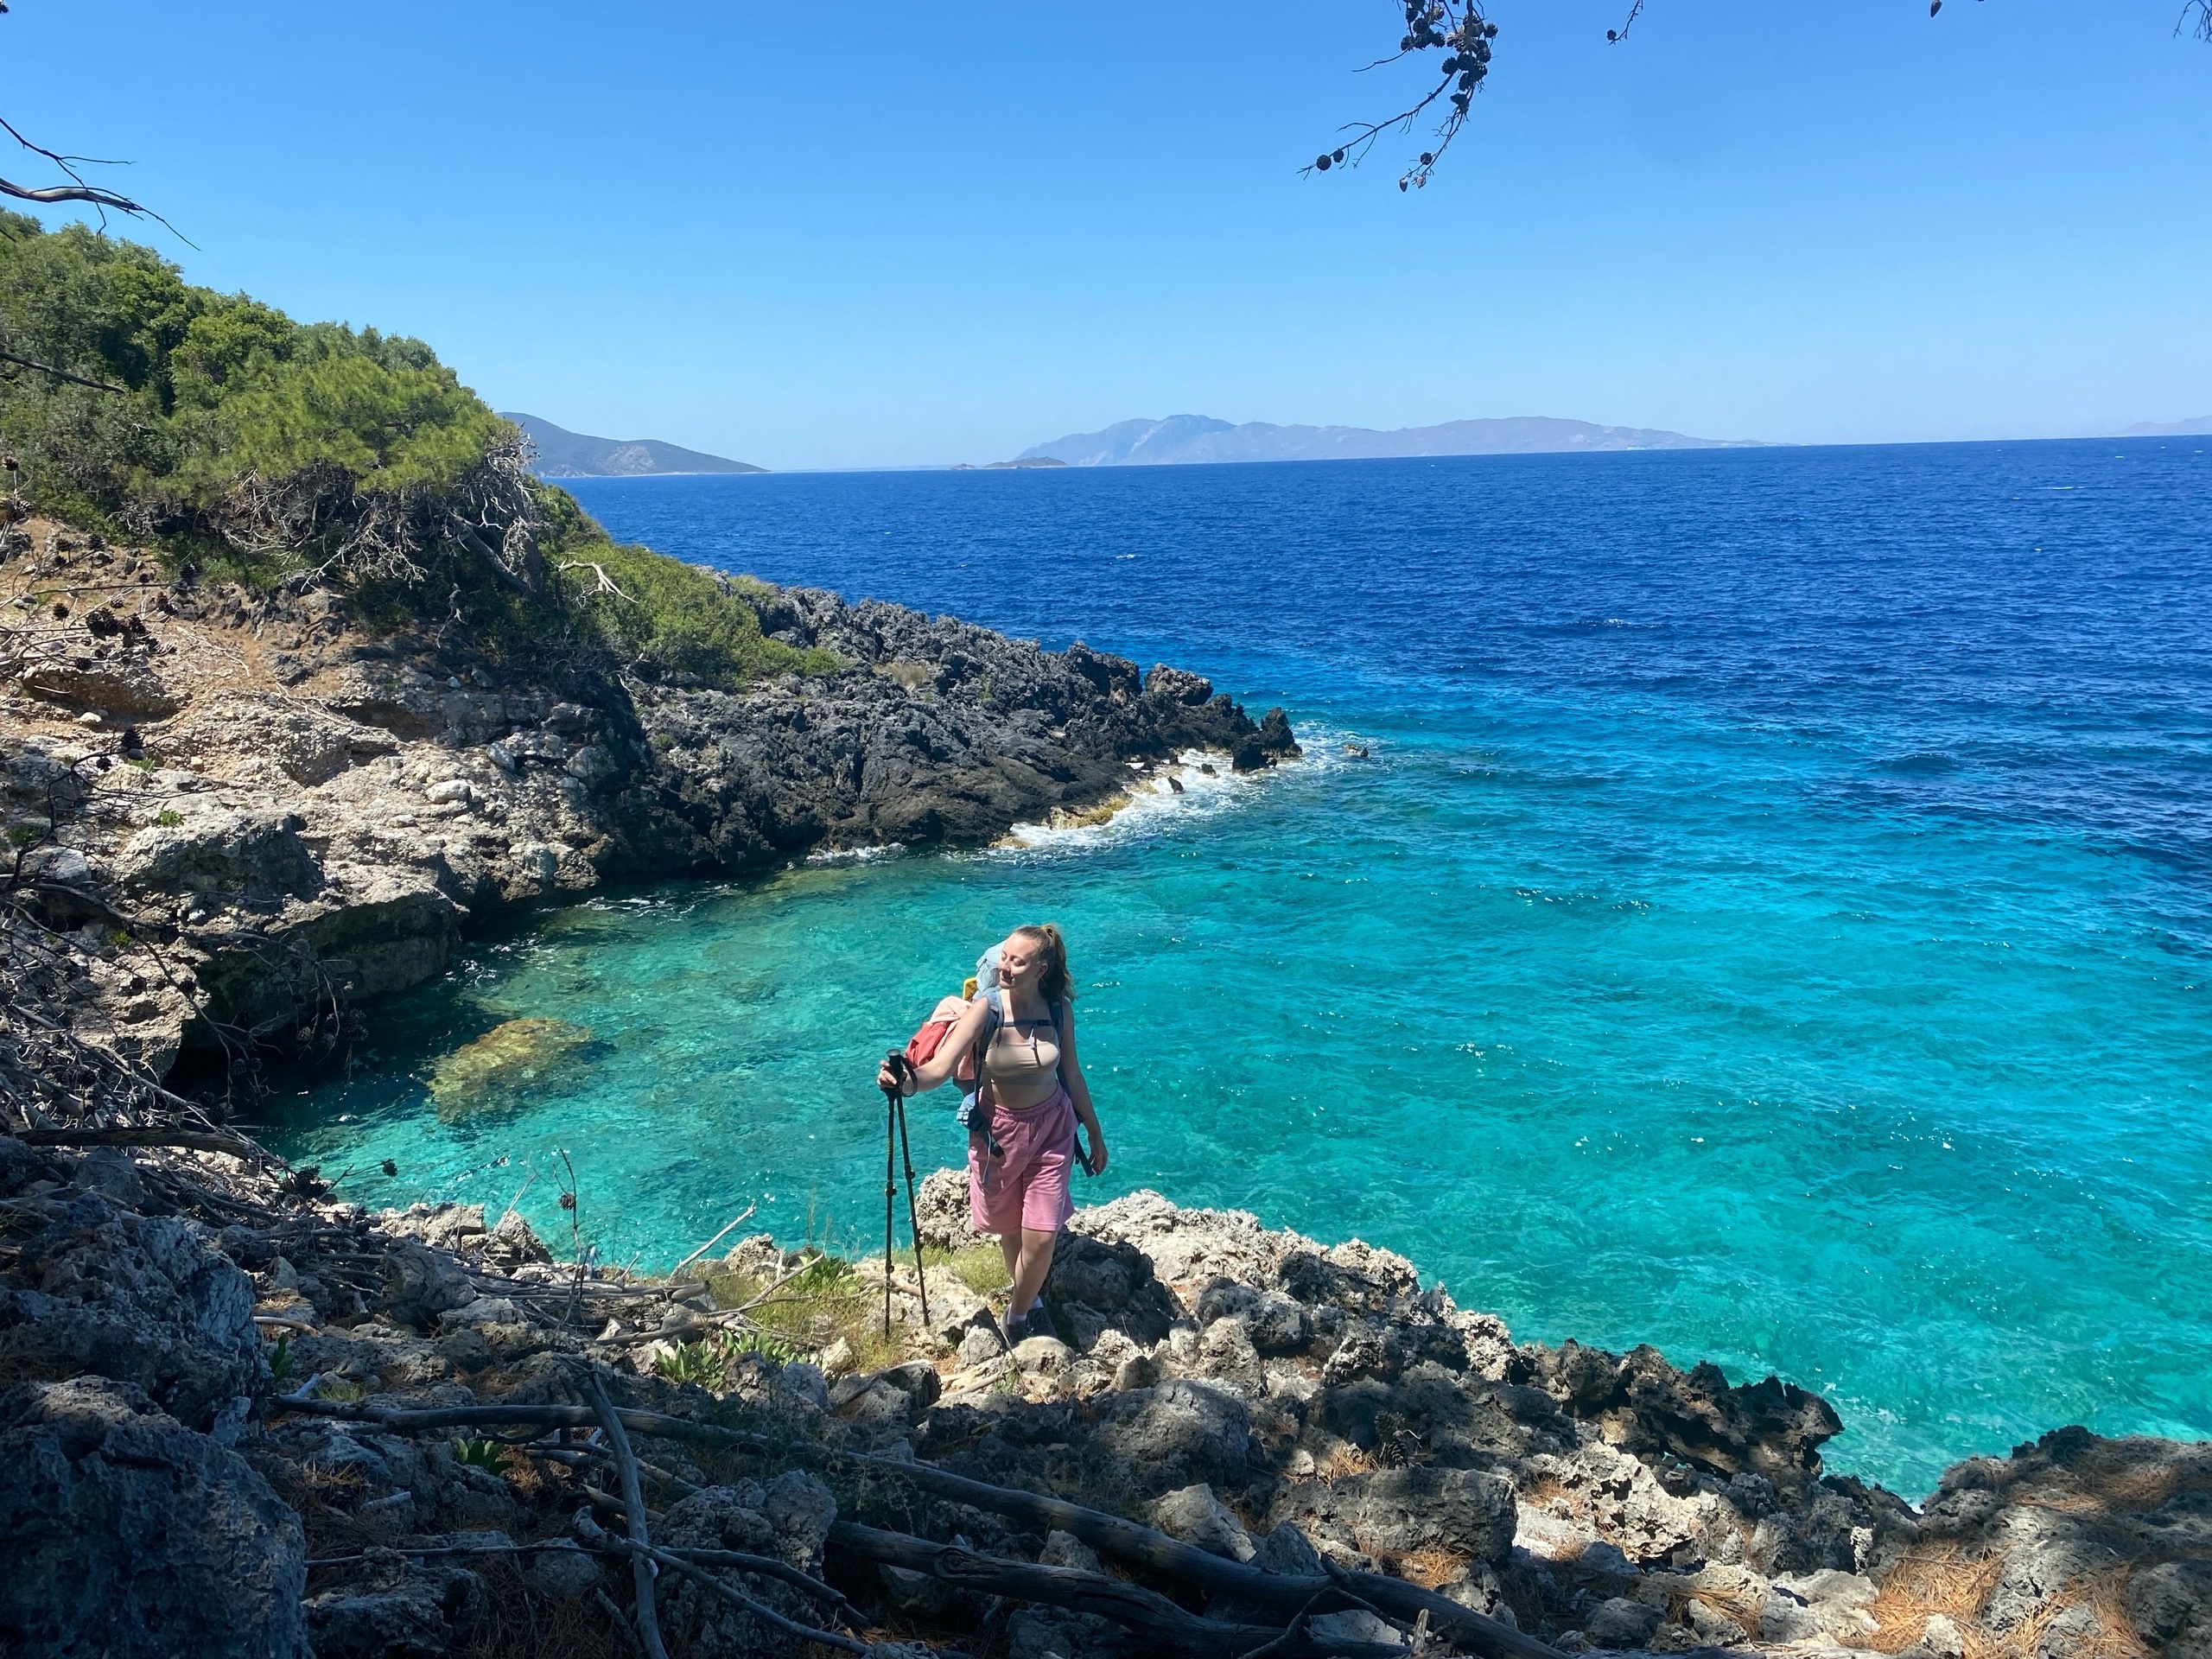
[212,389]
[265,447]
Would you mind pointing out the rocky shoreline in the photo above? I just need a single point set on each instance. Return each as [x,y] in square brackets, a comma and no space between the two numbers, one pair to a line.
[245,1420]
[306,805]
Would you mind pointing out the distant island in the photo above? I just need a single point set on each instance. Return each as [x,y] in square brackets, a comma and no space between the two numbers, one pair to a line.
[1184,439]
[2200,427]
[563,454]
[1023,464]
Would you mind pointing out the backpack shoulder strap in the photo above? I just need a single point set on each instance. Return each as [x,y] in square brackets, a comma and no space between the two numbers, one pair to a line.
[994,1017]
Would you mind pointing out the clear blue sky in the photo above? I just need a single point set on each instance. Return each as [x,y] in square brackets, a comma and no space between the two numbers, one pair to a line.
[752,230]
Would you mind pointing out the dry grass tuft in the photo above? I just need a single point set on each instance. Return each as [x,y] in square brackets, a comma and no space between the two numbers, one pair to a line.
[1931,1579]
[519,1623]
[1730,1604]
[325,1500]
[1346,1459]
[2125,1475]
[1525,1586]
[1944,1578]
[1432,1569]
[2114,1637]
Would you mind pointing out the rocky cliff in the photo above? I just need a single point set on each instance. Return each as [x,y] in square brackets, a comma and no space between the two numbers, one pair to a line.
[241,1420]
[304,802]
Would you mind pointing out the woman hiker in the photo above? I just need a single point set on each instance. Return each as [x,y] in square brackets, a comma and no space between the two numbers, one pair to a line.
[1021,1142]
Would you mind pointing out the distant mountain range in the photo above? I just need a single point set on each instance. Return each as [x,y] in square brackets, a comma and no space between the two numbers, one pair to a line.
[563,454]
[1194,438]
[2200,427]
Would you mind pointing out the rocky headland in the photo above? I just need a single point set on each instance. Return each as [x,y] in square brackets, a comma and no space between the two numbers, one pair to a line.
[305,805]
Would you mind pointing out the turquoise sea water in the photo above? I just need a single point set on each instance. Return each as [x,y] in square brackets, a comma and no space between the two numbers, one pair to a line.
[1772,921]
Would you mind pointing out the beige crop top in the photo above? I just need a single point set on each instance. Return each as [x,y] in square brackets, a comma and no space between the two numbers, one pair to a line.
[1025,1058]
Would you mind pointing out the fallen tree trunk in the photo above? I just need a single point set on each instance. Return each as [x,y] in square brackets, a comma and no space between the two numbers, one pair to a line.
[1126,1540]
[1172,1628]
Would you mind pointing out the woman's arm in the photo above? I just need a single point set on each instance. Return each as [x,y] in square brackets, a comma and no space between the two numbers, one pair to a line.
[959,1041]
[1079,1090]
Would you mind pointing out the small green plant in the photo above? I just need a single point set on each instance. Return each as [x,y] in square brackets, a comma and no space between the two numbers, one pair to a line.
[168,818]
[22,834]
[705,1362]
[826,1276]
[699,1361]
[280,1357]
[139,761]
[488,1455]
[767,1343]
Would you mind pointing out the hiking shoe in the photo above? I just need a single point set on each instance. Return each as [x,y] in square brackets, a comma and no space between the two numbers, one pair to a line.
[1035,1323]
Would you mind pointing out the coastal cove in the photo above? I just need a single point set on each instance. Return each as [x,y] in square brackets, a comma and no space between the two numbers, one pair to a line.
[1770,921]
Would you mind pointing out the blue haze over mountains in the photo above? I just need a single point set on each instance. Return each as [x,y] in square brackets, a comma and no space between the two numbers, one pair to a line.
[1200,438]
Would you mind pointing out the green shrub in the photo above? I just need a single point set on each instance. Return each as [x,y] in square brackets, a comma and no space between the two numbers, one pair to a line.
[688,623]
[217,419]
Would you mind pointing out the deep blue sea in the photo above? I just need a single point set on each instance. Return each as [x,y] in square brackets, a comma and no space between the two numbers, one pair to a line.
[1773,919]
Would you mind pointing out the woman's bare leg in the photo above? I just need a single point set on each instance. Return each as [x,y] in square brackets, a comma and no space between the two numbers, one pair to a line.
[1036,1260]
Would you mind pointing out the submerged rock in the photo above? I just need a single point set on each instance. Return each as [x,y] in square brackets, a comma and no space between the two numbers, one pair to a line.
[504,1063]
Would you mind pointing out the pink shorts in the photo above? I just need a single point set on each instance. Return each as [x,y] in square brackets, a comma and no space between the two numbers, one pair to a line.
[1025,1187]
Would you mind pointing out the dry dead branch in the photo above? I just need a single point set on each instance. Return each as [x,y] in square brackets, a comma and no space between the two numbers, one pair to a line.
[633,1502]
[1127,1541]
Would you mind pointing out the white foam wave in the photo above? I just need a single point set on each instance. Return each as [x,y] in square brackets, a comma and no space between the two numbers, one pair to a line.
[1210,786]
[822,855]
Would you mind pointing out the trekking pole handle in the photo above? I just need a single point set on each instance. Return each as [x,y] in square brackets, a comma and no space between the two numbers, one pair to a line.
[901,1069]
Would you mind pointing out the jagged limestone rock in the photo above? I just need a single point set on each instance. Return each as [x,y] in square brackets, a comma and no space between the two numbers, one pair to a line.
[129,1536]
[143,1299]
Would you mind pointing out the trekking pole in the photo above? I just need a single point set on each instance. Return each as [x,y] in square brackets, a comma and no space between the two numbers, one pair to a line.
[913,1215]
[890,1189]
